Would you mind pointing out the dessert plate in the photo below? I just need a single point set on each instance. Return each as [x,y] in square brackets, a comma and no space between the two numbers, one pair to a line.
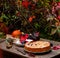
[18,43]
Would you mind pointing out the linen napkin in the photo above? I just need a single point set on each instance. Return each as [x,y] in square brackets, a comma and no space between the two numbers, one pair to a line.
[56,47]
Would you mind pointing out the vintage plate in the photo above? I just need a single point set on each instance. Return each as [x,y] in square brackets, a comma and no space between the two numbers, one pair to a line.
[18,43]
[22,45]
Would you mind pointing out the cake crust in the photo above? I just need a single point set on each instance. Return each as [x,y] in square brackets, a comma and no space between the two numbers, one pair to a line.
[37,46]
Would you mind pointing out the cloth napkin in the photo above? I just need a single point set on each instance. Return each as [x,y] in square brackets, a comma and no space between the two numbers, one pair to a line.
[56,47]
[23,38]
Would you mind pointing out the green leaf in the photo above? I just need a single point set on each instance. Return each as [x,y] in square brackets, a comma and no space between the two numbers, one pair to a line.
[4,16]
[36,25]
[58,30]
[53,31]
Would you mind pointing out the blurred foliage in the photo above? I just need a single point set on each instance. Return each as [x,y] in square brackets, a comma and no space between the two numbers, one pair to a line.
[15,15]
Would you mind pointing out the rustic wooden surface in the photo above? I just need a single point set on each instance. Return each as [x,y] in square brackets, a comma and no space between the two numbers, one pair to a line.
[13,50]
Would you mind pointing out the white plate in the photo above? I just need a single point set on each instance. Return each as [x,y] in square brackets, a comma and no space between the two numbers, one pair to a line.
[18,43]
[29,40]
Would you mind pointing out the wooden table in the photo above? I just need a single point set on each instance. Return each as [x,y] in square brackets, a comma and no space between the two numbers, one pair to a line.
[13,50]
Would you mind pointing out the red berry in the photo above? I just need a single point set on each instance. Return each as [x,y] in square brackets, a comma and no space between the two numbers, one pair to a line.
[25,4]
[58,17]
[58,3]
